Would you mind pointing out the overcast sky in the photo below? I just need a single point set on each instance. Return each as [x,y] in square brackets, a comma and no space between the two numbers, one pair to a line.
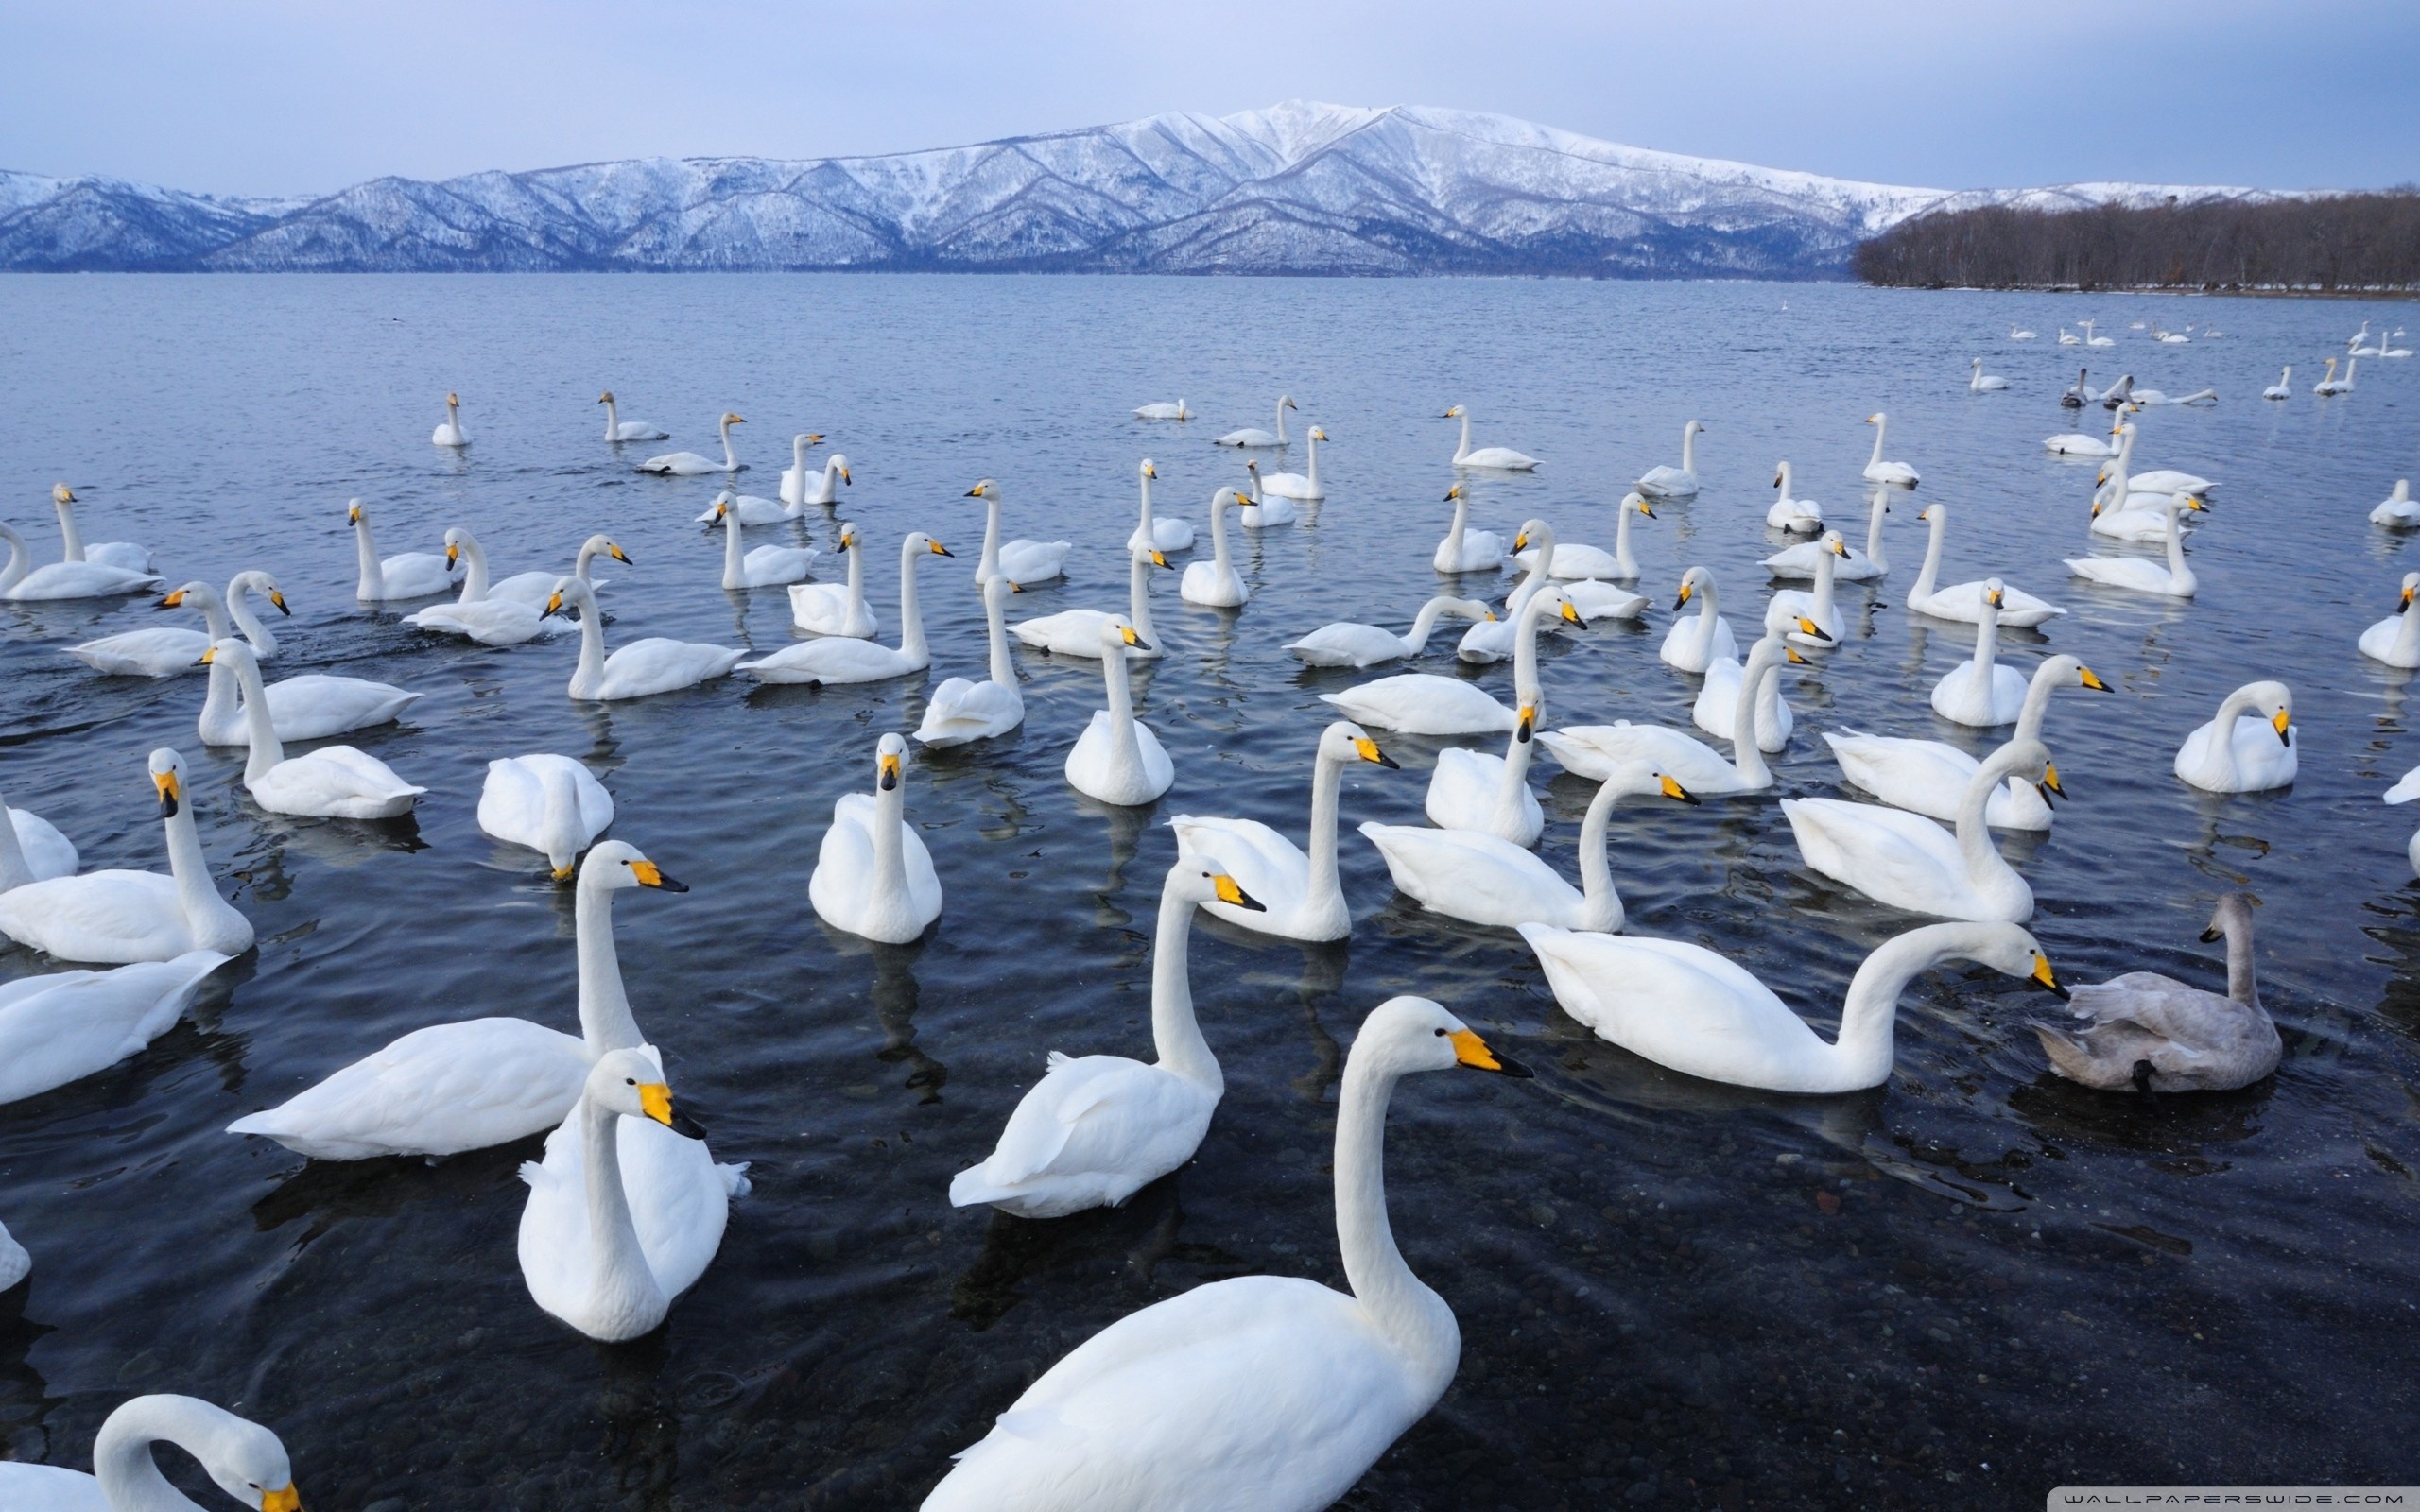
[283,96]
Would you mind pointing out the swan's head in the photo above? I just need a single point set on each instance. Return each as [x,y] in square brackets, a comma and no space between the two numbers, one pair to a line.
[605,398]
[1455,492]
[1224,499]
[614,865]
[256,581]
[1555,602]
[1345,741]
[2063,668]
[2411,586]
[889,753]
[458,542]
[452,400]
[569,594]
[2178,503]
[848,534]
[1931,514]
[1536,531]
[921,545]
[1118,638]
[235,653]
[996,591]
[1633,501]
[196,594]
[1695,427]
[1977,363]
[1149,471]
[168,778]
[1993,593]
[2232,915]
[1405,1035]
[1876,418]
[985,489]
[730,419]
[1638,780]
[2274,701]
[355,512]
[244,1459]
[1813,631]
[62,493]
[1455,413]
[628,1083]
[1192,881]
[1696,580]
[1286,402]
[842,464]
[1252,466]
[604,546]
[1318,435]
[1781,474]
[808,439]
[1833,543]
[2010,950]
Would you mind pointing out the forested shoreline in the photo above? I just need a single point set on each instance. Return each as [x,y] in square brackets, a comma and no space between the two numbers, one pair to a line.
[2366,242]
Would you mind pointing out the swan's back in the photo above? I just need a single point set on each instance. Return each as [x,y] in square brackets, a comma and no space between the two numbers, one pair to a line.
[1424,703]
[49,1488]
[112,916]
[1677,1004]
[68,1024]
[1269,866]
[439,1091]
[1260,1394]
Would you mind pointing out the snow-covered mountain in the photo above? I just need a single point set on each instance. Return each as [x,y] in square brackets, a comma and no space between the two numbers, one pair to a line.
[1296,188]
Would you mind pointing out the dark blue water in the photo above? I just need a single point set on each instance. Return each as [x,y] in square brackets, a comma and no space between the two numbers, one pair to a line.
[1963,1288]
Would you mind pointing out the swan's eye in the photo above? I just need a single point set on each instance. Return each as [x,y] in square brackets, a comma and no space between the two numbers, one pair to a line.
[1441,1034]
[630,1081]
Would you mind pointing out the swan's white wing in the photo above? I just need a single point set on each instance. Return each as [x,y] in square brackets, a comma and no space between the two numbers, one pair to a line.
[1596,752]
[158,652]
[1069,633]
[1473,875]
[48,853]
[1097,1128]
[1676,1003]
[680,1203]
[109,916]
[1895,857]
[2405,788]
[1269,866]
[314,706]
[1347,645]
[57,1028]
[832,661]
[1422,703]
[440,1091]
[49,1488]
[1462,790]
[659,665]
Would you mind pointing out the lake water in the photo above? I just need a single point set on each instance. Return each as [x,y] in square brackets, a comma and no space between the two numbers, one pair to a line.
[1963,1288]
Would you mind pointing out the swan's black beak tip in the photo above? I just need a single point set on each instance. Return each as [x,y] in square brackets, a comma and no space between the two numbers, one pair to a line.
[686,1127]
[2212,935]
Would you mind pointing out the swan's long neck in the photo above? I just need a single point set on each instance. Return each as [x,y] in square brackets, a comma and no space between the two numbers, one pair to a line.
[857,581]
[889,863]
[1175,1032]
[1924,584]
[1313,443]
[1513,780]
[1866,1044]
[613,422]
[1541,572]
[1281,423]
[989,567]
[1604,905]
[474,572]
[196,897]
[239,608]
[1462,523]
[213,612]
[582,563]
[735,555]
[1628,563]
[2218,760]
[1004,672]
[730,458]
[1145,525]
[2243,977]
[1708,614]
[1826,568]
[1413,1318]
[1874,532]
[620,1282]
[911,620]
[1219,542]
[70,538]
[1138,596]
[1326,778]
[1125,747]
[1464,449]
[19,564]
[1524,653]
[1987,644]
[590,671]
[1689,448]
[15,871]
[220,695]
[1764,666]
[1879,426]
[2036,706]
[1425,625]
[1983,858]
[2407,638]
[2176,567]
[365,550]
[122,1463]
[605,1022]
[798,460]
[258,725]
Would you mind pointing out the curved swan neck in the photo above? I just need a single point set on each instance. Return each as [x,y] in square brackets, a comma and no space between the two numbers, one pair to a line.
[2176,568]
[1709,613]
[591,670]
[605,1021]
[1462,523]
[190,869]
[1413,1319]
[1175,1032]
[1628,563]
[1464,449]
[1525,649]
[2407,638]
[1595,868]
[620,1280]
[1825,570]
[1881,425]
[71,539]
[2244,977]
[2218,758]
[730,458]
[19,563]
[1138,594]
[1424,625]
[237,609]
[1145,524]
[475,571]
[1327,776]
[911,620]
[1312,441]
[1987,644]
[1865,1046]
[613,421]
[2036,708]
[1925,578]
[258,724]
[1983,858]
[1873,531]
[1280,424]
[373,575]
[1513,779]
[1765,663]
[130,1478]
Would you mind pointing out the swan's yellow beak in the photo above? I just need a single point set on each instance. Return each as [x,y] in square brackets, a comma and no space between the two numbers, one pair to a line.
[2050,778]
[1453,493]
[1791,652]
[169,788]
[1840,548]
[1521,541]
[976,491]
[1570,613]
[209,655]
[1675,790]
[1529,722]
[1645,511]
[847,479]
[937,549]
[554,604]
[2283,722]
[1158,560]
[1813,631]
[1470,1050]
[605,398]
[1151,471]
[2047,978]
[848,539]
[173,600]
[735,419]
[1487,614]
[1234,896]
[62,493]
[888,770]
[615,552]
[287,1499]
[657,1099]
[652,875]
[454,553]
[1318,435]
[1014,588]
[452,400]
[2401,605]
[1682,602]
[1369,752]
[1126,633]
[2090,679]
[278,599]
[1995,597]
[565,873]
[352,514]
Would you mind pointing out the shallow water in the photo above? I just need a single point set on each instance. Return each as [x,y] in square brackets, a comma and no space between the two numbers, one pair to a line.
[1975,1283]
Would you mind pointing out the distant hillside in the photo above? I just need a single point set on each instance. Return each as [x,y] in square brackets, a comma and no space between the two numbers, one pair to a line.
[1297,188]
[2350,242]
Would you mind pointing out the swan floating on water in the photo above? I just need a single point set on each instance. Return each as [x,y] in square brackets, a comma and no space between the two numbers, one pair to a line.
[1715,709]
[1909,862]
[1164,411]
[72,547]
[405,575]
[2281,389]
[244,1459]
[766,566]
[1256,513]
[477,614]
[1252,436]
[1473,790]
[1020,562]
[1424,703]
[1982,383]
[2156,1034]
[962,710]
[1502,458]
[618,429]
[1964,602]
[1345,644]
[1813,618]
[32,850]
[1929,776]
[1981,693]
[2017,334]
[1790,512]
[1676,482]
[66,1025]
[1213,584]
[642,668]
[872,876]
[328,781]
[689,464]
[167,651]
[1879,471]
[1599,752]
[802,487]
[1299,894]
[2234,753]
[1152,530]
[21,582]
[552,805]
[1076,631]
[1304,486]
[845,659]
[1465,550]
[1848,565]
[823,609]
[449,432]
[2397,511]
[1694,644]
[1118,759]
[2175,581]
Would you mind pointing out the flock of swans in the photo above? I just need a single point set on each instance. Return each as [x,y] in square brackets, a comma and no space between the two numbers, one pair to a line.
[1262,1391]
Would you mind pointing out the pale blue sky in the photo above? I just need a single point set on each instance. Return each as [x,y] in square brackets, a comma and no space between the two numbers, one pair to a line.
[276,96]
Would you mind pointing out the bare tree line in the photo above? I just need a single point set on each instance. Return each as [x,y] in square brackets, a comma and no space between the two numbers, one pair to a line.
[2365,241]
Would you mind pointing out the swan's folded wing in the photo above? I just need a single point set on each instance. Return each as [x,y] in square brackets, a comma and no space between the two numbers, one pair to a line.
[1461,791]
[1090,1113]
[440,1091]
[1676,1003]
[366,772]
[1470,874]
[96,916]
[1878,845]
[1263,862]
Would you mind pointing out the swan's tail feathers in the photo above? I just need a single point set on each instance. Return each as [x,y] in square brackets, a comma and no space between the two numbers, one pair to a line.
[2072,1055]
[734,1179]
[263,1121]
[972,1187]
[2406,790]
[533,1171]
[1058,1058]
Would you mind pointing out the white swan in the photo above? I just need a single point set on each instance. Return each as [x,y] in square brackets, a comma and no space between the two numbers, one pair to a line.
[1304,486]
[2403,791]
[1465,550]
[1544,560]
[873,875]
[1683,1007]
[1253,437]
[1472,790]
[476,1083]
[1076,631]
[476,614]
[1813,618]
[1569,560]
[1789,512]
[1020,562]
[21,582]
[406,575]
[1982,383]
[823,609]
[1908,861]
[1213,584]
[552,805]
[449,432]
[1964,602]
[1502,458]
[1879,471]
[64,1026]
[1849,566]
[962,710]
[113,917]
[1118,759]
[619,1224]
[1981,693]
[2326,383]
[2076,444]
[1257,513]
[312,706]
[2281,390]
[1424,703]
[642,668]
[2395,639]
[1169,534]
[2175,581]
[1625,565]
[15,1265]
[2067,339]
[1164,411]
[32,850]
[2229,755]
[618,429]
[168,651]
[2365,345]
[766,566]
[244,1459]
[1693,645]
[1715,709]
[1270,1393]
[839,658]
[1487,880]
[2120,479]
[1299,894]
[1348,645]
[2334,385]
[803,485]
[752,510]
[1929,776]
[2017,334]
[2156,1034]
[1096,1130]
[689,464]
[1676,482]
[2092,341]
[2396,351]
[535,586]
[2398,509]
[1494,640]
[329,781]
[72,547]
[1599,752]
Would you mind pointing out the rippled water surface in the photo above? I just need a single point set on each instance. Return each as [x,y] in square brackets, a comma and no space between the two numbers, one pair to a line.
[1974,1283]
